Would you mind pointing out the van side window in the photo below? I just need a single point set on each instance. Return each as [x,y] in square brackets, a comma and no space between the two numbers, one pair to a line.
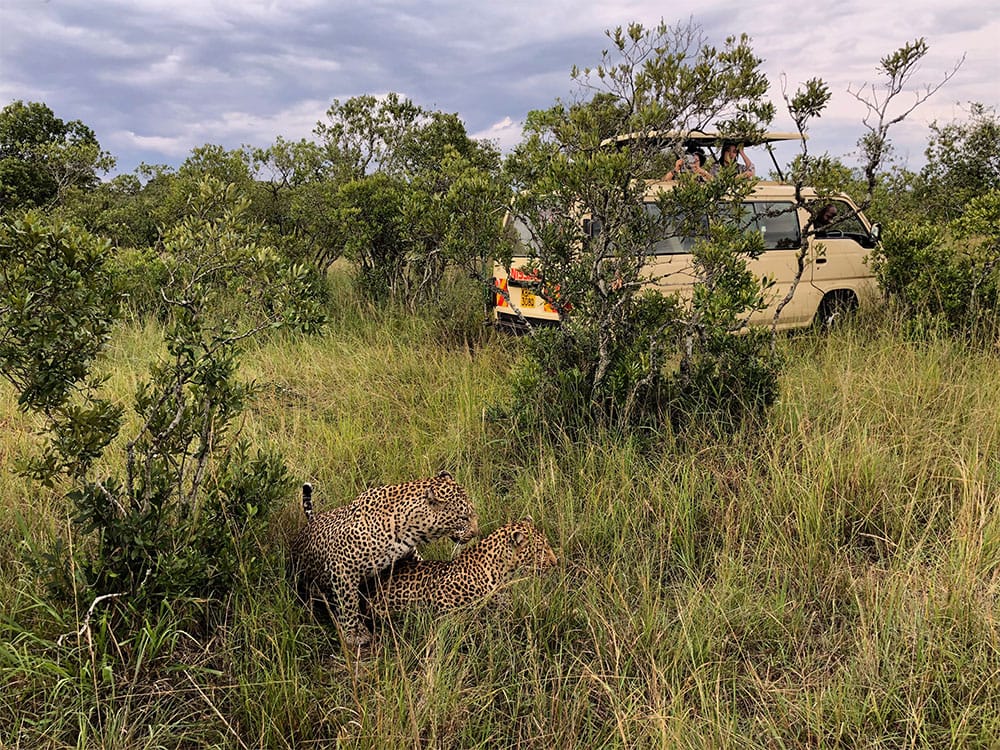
[778,222]
[670,243]
[837,219]
[522,236]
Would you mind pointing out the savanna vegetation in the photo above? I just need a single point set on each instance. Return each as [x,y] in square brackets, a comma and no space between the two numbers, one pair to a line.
[765,540]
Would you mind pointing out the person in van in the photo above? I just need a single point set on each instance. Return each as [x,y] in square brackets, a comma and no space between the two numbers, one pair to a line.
[730,151]
[693,162]
[825,219]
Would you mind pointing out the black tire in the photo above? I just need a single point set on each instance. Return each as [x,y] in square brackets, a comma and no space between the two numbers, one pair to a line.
[835,308]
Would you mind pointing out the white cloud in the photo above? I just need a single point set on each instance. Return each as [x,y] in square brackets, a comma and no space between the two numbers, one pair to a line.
[173,146]
[506,133]
[231,129]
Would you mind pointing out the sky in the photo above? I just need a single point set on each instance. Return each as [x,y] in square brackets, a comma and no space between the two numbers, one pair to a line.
[156,78]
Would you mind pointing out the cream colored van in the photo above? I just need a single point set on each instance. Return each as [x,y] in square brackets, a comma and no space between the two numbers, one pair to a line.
[836,277]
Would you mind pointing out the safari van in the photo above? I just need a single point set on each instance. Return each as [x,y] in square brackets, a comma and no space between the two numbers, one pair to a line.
[836,276]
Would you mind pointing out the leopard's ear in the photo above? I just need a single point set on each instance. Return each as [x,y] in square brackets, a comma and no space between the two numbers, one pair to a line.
[431,496]
[517,538]
[444,474]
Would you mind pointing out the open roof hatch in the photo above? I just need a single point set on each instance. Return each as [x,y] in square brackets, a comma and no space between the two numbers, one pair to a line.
[704,138]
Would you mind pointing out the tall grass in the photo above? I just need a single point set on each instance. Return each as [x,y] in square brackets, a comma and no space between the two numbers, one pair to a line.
[829,580]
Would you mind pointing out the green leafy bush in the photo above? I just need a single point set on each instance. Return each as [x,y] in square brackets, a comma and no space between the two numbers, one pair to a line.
[623,357]
[190,504]
[947,277]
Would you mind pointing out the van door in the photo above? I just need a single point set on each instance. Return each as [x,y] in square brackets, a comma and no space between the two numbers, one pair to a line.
[839,249]
[778,223]
[671,269]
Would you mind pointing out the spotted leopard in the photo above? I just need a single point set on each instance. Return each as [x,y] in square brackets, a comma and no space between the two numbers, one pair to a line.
[336,550]
[475,574]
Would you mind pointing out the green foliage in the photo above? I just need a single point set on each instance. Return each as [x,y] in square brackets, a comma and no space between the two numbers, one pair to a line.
[962,163]
[669,76]
[374,229]
[417,196]
[180,518]
[42,157]
[724,378]
[363,134]
[156,545]
[940,253]
[618,353]
[140,275]
[554,386]
[122,210]
[947,277]
[57,307]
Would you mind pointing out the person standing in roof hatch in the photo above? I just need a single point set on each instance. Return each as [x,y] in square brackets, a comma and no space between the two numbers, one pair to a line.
[693,162]
[730,151]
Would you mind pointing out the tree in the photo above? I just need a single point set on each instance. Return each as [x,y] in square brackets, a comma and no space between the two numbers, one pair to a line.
[882,103]
[364,133]
[963,163]
[284,170]
[608,360]
[395,211]
[43,157]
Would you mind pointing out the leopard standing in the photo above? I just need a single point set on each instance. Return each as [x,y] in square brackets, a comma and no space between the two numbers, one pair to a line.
[336,550]
[475,574]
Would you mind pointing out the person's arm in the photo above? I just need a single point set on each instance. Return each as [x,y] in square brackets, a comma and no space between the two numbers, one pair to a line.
[746,160]
[675,171]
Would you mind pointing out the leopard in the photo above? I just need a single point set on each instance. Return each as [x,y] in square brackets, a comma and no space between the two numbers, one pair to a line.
[480,572]
[336,550]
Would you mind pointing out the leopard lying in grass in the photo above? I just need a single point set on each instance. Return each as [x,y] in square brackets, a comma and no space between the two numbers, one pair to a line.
[336,550]
[476,574]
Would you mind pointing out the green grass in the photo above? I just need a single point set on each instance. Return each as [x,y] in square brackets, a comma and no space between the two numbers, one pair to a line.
[832,581]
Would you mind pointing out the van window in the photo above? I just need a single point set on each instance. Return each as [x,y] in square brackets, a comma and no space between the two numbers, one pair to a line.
[522,234]
[670,243]
[843,220]
[778,222]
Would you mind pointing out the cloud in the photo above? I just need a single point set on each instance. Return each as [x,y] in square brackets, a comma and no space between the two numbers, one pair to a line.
[159,77]
[505,133]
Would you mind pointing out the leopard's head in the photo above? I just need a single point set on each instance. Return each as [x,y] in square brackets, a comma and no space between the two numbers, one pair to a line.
[453,514]
[529,549]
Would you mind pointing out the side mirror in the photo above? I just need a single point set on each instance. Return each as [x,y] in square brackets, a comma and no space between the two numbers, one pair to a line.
[876,231]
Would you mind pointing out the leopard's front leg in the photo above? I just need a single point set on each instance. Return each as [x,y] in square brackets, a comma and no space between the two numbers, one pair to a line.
[352,628]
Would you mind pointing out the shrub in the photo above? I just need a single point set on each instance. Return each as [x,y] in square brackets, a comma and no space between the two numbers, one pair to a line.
[946,277]
[187,510]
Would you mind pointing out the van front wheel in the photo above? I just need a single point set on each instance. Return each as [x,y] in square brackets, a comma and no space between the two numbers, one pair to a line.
[835,308]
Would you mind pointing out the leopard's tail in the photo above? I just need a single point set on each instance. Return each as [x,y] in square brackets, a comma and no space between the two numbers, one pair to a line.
[307,501]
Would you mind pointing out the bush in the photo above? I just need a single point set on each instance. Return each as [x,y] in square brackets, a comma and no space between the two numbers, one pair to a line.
[946,277]
[186,512]
[165,546]
[554,384]
[140,278]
